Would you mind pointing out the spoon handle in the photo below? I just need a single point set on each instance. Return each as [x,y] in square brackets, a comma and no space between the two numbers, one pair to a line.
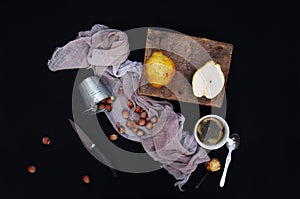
[228,159]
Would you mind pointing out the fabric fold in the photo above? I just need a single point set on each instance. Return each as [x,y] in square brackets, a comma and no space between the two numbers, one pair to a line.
[100,46]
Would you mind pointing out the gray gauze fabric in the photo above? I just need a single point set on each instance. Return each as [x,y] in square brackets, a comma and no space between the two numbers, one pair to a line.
[101,47]
[106,51]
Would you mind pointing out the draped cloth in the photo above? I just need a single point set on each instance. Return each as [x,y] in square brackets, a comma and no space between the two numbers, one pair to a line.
[106,51]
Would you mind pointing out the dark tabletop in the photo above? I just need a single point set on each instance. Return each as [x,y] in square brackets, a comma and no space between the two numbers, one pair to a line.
[262,99]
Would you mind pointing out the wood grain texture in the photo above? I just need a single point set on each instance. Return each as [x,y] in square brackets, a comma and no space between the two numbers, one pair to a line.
[187,55]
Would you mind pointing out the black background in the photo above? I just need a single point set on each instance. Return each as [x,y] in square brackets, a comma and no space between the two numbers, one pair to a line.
[262,98]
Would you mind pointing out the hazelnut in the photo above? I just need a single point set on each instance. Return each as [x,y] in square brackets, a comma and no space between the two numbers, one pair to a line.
[46,140]
[140,133]
[125,114]
[121,91]
[138,109]
[101,106]
[86,179]
[121,129]
[31,169]
[130,104]
[129,124]
[142,122]
[113,137]
[148,125]
[134,124]
[109,101]
[144,114]
[108,107]
[134,129]
[118,124]
[154,119]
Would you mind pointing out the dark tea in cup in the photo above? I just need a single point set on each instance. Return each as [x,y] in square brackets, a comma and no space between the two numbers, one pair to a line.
[211,132]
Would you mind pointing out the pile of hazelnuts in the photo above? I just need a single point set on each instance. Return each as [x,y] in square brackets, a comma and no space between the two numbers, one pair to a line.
[135,125]
[105,104]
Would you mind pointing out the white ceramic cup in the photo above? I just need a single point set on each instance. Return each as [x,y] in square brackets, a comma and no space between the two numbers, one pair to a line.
[221,142]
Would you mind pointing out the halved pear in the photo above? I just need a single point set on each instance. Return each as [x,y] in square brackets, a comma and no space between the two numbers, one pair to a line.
[208,80]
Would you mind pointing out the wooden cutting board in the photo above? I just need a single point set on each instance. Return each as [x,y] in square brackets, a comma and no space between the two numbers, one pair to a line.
[187,55]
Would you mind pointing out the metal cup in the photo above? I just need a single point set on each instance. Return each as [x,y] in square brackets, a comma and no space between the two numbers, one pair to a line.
[92,92]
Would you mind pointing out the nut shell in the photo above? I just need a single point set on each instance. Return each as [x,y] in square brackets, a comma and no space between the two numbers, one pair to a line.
[109,101]
[46,140]
[142,122]
[101,106]
[31,169]
[113,137]
[130,104]
[121,129]
[129,124]
[144,114]
[134,124]
[140,133]
[108,107]
[148,125]
[121,91]
[154,119]
[138,109]
[125,114]
[86,179]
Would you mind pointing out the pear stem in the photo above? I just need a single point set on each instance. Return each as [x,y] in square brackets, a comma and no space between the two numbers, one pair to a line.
[197,186]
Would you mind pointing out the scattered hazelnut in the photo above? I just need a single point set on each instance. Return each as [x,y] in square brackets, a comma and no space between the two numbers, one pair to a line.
[108,107]
[142,122]
[154,119]
[148,125]
[109,100]
[134,124]
[125,114]
[118,124]
[129,124]
[121,129]
[101,106]
[113,137]
[140,133]
[138,109]
[130,104]
[31,169]
[46,140]
[121,91]
[134,129]
[144,114]
[86,179]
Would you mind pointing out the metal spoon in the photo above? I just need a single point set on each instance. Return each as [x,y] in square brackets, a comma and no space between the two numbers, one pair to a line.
[232,143]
